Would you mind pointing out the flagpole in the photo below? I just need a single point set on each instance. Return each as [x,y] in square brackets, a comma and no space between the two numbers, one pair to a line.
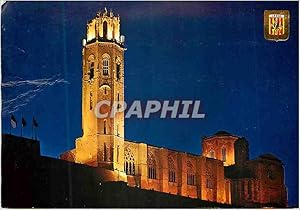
[32,131]
[22,126]
[36,133]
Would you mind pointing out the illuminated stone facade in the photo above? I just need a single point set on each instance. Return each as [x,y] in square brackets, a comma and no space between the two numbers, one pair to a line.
[254,183]
[145,166]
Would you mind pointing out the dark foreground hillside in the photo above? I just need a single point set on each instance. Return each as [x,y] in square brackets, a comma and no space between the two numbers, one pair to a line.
[31,180]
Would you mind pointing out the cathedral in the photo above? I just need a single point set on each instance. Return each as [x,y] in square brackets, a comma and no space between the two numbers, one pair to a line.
[223,173]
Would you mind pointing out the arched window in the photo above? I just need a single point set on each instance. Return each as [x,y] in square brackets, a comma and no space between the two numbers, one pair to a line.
[105,152]
[190,174]
[224,154]
[129,162]
[151,166]
[172,170]
[118,98]
[91,66]
[209,178]
[209,183]
[91,100]
[243,186]
[249,189]
[118,72]
[105,64]
[105,29]
[118,153]
[91,70]
[104,126]
[212,154]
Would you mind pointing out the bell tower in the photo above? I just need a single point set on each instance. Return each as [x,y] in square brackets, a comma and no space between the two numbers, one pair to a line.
[102,79]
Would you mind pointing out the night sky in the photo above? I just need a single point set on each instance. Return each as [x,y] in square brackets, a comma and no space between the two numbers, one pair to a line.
[213,52]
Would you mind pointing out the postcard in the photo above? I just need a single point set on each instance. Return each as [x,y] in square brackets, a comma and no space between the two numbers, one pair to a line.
[149,104]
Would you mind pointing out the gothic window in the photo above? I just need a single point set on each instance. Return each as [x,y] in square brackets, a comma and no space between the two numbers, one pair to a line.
[91,70]
[111,152]
[172,170]
[105,152]
[209,178]
[224,154]
[249,189]
[118,72]
[212,154]
[243,186]
[118,98]
[104,126]
[151,166]
[190,174]
[91,100]
[105,64]
[255,192]
[129,162]
[118,153]
[105,29]
[209,183]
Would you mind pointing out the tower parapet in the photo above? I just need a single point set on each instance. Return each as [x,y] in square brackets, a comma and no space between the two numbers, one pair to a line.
[104,27]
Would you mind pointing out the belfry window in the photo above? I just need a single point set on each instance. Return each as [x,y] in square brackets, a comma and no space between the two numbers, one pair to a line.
[91,100]
[118,72]
[224,154]
[91,70]
[118,129]
[105,29]
[104,126]
[151,166]
[190,174]
[105,64]
[212,154]
[118,153]
[118,98]
[172,173]
[129,162]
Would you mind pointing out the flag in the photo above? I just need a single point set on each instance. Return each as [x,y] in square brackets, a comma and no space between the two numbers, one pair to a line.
[23,122]
[34,123]
[13,121]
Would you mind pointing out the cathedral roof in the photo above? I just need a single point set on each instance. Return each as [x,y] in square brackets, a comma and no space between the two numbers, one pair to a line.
[223,133]
[220,134]
[269,157]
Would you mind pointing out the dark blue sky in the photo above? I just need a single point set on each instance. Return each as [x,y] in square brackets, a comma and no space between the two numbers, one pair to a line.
[213,52]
